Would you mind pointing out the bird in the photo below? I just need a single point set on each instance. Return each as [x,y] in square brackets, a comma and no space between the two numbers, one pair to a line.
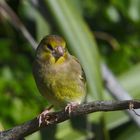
[58,75]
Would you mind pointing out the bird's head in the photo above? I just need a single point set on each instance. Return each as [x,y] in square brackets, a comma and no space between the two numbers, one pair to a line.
[52,48]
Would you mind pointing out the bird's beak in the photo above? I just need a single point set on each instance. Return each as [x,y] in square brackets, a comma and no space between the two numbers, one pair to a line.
[59,51]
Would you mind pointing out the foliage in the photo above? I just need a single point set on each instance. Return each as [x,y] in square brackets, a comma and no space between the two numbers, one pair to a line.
[77,21]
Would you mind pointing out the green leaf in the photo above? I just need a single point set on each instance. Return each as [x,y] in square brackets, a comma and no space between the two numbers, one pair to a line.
[79,39]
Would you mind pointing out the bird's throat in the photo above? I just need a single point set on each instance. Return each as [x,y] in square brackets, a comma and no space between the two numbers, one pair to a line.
[58,60]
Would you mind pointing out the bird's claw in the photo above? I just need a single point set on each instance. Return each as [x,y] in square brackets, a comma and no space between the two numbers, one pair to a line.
[69,108]
[42,117]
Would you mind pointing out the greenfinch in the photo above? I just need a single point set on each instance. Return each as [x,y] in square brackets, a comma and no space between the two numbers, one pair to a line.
[58,75]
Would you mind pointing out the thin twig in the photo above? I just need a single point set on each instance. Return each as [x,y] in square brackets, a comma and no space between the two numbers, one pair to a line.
[108,38]
[9,14]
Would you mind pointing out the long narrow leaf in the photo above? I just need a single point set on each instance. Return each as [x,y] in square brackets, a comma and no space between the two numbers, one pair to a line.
[80,40]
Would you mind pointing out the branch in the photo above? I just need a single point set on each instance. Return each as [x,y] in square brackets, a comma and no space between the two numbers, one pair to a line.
[31,126]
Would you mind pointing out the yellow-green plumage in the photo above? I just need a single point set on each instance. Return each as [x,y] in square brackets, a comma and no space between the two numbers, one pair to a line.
[58,75]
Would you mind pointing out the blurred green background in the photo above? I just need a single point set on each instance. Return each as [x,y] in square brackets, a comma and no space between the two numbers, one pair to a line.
[95,31]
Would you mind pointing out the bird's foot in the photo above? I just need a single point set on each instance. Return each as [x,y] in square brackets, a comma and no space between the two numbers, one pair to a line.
[71,106]
[42,116]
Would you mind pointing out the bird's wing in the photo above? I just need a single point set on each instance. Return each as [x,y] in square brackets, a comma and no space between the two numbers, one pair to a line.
[82,76]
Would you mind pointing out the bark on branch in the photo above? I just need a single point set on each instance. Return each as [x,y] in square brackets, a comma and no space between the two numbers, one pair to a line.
[25,129]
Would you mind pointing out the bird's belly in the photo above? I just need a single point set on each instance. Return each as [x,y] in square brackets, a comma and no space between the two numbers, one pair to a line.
[64,90]
[60,85]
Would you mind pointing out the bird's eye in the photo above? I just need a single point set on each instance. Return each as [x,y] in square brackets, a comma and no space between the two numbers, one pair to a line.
[50,47]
